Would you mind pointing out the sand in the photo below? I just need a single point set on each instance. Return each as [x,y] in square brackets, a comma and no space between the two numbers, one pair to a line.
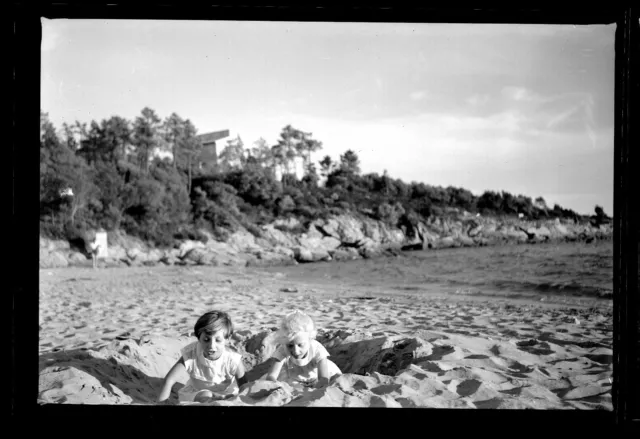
[109,336]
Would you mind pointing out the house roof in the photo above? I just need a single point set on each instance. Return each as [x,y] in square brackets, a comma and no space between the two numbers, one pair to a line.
[213,136]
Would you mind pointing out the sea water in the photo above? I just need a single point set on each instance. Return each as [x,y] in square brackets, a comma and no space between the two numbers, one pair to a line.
[562,269]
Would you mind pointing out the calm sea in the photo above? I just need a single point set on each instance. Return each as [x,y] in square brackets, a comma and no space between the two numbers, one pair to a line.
[566,269]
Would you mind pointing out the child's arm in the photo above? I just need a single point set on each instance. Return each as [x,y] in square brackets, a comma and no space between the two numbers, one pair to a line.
[240,376]
[323,373]
[274,372]
[171,379]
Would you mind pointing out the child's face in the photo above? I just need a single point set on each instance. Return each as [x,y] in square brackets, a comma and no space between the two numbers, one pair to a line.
[212,345]
[298,346]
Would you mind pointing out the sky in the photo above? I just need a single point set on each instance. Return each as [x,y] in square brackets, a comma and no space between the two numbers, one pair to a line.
[528,109]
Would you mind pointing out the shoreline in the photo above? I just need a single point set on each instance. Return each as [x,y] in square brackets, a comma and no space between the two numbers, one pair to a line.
[341,238]
[543,300]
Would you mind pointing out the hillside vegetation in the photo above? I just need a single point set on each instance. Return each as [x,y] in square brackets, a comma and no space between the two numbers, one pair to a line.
[109,175]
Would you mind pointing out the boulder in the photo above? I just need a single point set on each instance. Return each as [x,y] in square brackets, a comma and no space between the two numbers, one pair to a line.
[116,252]
[76,258]
[345,254]
[303,254]
[429,237]
[540,231]
[446,242]
[155,255]
[267,257]
[188,245]
[242,240]
[277,237]
[125,241]
[289,223]
[394,238]
[263,243]
[373,230]
[170,257]
[55,259]
[343,227]
[368,252]
[51,245]
[199,256]
[320,244]
[465,241]
[136,254]
[320,255]
[480,241]
[60,245]
[284,251]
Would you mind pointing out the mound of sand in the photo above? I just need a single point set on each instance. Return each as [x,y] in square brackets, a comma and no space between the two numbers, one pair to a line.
[443,371]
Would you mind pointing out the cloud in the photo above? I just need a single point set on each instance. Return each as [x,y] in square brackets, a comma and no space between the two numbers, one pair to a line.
[518,94]
[417,95]
[478,100]
[563,116]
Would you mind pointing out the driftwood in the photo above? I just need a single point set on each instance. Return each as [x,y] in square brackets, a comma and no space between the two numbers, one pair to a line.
[416,246]
[356,244]
[530,236]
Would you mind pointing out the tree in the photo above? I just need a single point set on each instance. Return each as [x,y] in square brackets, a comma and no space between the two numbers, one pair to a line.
[540,203]
[293,144]
[350,162]
[490,202]
[188,147]
[263,156]
[279,158]
[232,156]
[146,136]
[255,186]
[601,217]
[69,133]
[311,177]
[62,170]
[173,128]
[326,166]
[305,146]
[524,205]
[285,150]
[461,198]
[508,203]
[600,212]
[50,145]
[117,135]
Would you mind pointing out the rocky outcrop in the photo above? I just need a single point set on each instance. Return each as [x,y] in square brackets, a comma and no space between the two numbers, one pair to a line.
[340,238]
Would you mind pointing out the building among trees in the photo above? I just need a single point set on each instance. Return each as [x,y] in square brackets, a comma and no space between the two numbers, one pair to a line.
[208,157]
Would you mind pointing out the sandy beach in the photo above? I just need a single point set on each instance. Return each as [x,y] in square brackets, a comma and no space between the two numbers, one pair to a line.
[109,336]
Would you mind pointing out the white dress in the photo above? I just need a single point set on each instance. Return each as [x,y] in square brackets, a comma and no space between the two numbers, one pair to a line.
[305,370]
[214,375]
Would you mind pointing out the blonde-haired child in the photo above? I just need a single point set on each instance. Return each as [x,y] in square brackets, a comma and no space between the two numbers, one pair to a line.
[300,358]
[212,369]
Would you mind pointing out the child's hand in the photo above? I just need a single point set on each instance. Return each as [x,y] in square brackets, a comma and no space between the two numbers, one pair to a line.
[310,383]
[319,384]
